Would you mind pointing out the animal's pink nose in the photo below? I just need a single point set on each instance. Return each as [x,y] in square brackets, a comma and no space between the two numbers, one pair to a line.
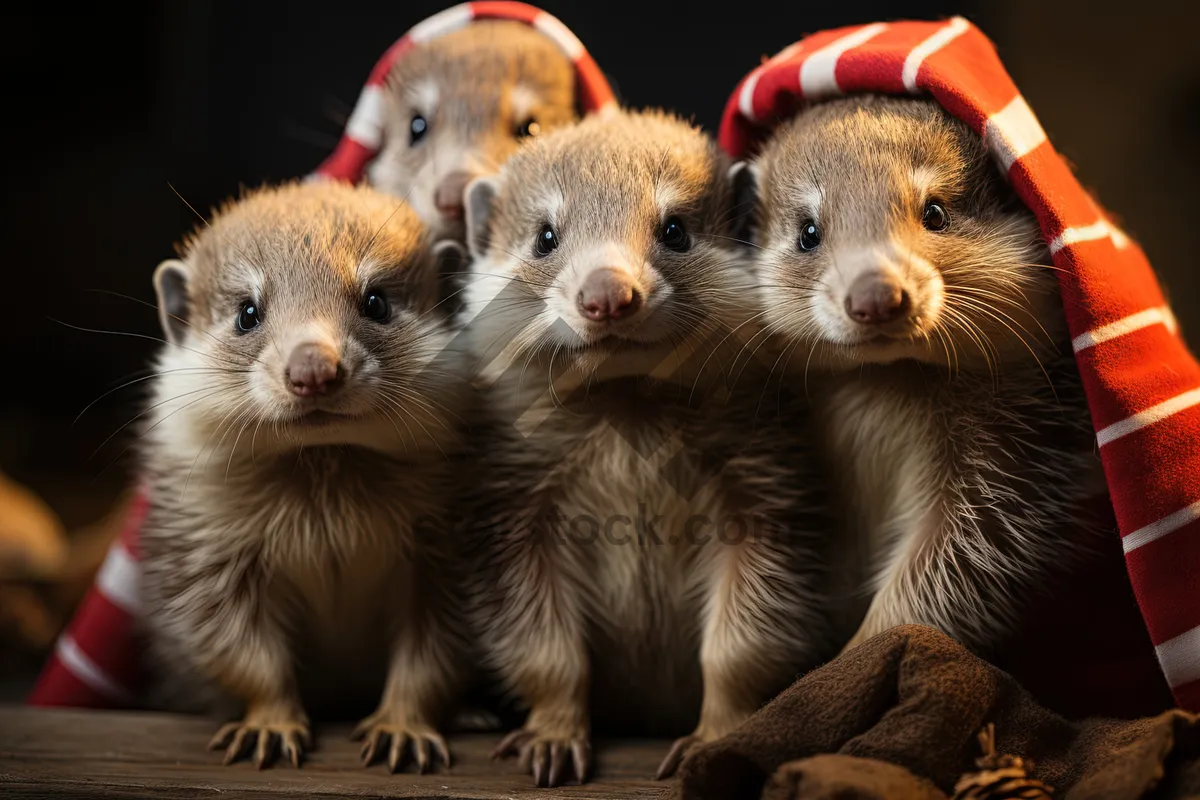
[313,369]
[875,298]
[608,293]
[448,196]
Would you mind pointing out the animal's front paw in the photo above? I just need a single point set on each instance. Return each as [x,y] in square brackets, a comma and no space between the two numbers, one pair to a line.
[709,730]
[273,727]
[407,737]
[551,756]
[678,752]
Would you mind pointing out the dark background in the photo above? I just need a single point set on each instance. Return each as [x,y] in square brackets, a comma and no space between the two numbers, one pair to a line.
[105,109]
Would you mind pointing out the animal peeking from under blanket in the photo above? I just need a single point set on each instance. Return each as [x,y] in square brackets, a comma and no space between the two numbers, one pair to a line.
[975,334]
[456,96]
[955,415]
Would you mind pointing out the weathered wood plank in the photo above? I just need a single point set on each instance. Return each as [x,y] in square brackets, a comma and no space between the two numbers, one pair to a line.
[70,753]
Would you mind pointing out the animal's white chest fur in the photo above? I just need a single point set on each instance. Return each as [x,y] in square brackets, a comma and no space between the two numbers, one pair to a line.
[315,551]
[342,561]
[634,533]
[328,537]
[890,473]
[641,577]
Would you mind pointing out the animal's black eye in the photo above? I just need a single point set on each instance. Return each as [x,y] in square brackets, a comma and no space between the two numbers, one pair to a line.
[529,127]
[546,242]
[375,306]
[936,218]
[674,237]
[417,128]
[249,317]
[810,235]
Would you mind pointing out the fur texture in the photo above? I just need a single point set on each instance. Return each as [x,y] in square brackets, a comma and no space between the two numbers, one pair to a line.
[478,90]
[295,547]
[959,431]
[647,556]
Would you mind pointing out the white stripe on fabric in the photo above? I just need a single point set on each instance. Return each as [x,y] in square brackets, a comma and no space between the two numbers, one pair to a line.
[83,668]
[120,580]
[1180,657]
[1012,132]
[567,42]
[818,72]
[912,65]
[365,125]
[1134,322]
[1157,530]
[1088,233]
[443,22]
[746,97]
[1155,413]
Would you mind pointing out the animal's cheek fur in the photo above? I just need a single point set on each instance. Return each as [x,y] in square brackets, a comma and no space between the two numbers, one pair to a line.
[355,352]
[409,173]
[946,249]
[968,267]
[191,378]
[540,277]
[560,315]
[928,298]
[497,300]
[393,169]
[265,387]
[784,294]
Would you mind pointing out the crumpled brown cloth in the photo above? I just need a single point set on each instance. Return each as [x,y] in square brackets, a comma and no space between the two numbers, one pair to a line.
[915,700]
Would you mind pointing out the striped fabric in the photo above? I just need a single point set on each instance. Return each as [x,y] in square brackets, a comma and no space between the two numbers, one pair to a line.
[1142,383]
[363,136]
[95,663]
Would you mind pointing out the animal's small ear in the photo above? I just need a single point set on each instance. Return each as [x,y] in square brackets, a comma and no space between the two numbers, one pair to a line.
[743,181]
[171,286]
[450,260]
[480,197]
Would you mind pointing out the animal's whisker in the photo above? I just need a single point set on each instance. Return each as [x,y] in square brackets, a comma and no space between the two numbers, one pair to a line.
[1000,317]
[157,308]
[153,376]
[729,239]
[155,425]
[151,408]
[499,276]
[147,337]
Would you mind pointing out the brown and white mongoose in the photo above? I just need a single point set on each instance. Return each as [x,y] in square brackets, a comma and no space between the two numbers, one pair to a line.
[458,105]
[296,455]
[889,249]
[647,551]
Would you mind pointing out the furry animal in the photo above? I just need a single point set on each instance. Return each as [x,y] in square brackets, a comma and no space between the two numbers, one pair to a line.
[890,250]
[458,106]
[646,527]
[295,453]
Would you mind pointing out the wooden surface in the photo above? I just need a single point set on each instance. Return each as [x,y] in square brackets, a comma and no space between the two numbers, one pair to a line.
[61,753]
